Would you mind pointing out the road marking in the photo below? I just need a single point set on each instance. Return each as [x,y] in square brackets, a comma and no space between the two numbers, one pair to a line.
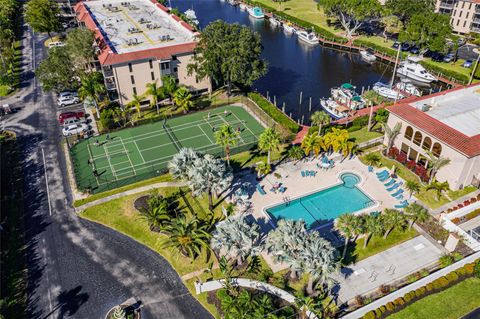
[46,182]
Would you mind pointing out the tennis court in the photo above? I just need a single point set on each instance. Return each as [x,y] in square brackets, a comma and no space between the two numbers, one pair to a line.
[142,152]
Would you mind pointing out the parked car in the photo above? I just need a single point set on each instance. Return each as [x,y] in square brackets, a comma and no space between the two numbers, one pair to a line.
[72,120]
[75,129]
[467,63]
[396,45]
[67,100]
[448,57]
[68,93]
[405,46]
[415,50]
[437,57]
[66,115]
[55,44]
[427,53]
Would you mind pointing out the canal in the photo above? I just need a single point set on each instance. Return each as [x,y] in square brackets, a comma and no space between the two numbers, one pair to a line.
[294,68]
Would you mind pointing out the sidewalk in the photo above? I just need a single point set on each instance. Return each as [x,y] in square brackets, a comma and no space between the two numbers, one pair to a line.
[460,200]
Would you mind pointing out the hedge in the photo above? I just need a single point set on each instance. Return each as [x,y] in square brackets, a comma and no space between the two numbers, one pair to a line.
[276,114]
[463,78]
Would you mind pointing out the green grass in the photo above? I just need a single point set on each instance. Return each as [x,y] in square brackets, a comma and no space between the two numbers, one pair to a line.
[363,135]
[377,244]
[5,90]
[451,303]
[251,157]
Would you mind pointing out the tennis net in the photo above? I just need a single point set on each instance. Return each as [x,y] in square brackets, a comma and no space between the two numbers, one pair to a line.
[172,137]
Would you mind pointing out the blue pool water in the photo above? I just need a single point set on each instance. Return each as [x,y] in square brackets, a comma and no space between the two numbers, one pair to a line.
[324,206]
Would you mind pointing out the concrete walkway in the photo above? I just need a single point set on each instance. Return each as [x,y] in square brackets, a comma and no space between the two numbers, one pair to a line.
[129,192]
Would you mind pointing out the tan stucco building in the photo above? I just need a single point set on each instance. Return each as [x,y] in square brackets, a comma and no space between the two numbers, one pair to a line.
[138,42]
[446,124]
[465,14]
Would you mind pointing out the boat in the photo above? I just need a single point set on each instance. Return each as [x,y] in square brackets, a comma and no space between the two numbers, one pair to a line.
[410,68]
[367,56]
[346,95]
[288,28]
[408,87]
[274,22]
[191,16]
[336,111]
[307,37]
[242,6]
[232,2]
[387,91]
[256,13]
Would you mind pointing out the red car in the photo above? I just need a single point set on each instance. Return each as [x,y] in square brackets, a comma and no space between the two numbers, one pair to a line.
[63,116]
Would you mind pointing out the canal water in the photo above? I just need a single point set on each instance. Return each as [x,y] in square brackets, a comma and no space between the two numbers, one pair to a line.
[294,68]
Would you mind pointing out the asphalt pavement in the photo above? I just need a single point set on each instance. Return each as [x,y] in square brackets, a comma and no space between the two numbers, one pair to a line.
[76,268]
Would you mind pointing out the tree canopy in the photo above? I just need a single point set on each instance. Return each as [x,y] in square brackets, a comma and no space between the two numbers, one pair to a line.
[406,9]
[80,47]
[428,29]
[56,71]
[228,54]
[42,15]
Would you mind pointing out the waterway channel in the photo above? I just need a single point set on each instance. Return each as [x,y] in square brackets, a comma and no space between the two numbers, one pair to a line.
[293,67]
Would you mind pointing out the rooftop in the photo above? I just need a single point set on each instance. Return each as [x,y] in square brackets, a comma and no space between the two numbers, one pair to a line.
[452,117]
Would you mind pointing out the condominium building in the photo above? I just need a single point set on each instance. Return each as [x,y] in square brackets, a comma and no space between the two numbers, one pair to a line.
[139,41]
[465,14]
[447,124]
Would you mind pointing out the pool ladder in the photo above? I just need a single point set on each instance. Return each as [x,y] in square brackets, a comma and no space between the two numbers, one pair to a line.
[286,200]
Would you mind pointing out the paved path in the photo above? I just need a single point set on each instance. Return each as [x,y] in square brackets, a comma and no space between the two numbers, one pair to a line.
[129,192]
[76,268]
[455,202]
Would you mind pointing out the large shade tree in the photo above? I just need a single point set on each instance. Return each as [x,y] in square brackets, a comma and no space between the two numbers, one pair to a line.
[228,54]
[80,47]
[428,29]
[43,16]
[406,9]
[56,72]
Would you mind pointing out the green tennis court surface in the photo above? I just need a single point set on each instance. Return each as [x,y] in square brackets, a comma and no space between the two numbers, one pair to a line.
[142,152]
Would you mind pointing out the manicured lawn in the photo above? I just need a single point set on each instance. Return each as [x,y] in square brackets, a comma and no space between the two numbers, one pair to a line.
[377,244]
[364,135]
[4,90]
[451,303]
[457,66]
[250,158]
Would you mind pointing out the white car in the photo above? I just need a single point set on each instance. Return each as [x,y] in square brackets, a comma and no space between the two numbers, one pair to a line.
[71,121]
[67,93]
[75,129]
[67,100]
[55,44]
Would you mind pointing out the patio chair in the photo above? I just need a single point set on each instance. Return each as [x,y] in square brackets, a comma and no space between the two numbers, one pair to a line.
[282,189]
[401,205]
[303,173]
[383,178]
[390,182]
[313,173]
[307,173]
[260,189]
[382,173]
[400,191]
[370,169]
[394,186]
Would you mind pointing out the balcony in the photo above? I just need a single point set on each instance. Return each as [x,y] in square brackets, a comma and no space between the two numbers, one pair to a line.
[446,5]
[475,28]
[110,85]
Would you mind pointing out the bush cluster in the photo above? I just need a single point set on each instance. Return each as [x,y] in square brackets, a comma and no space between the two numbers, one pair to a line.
[358,124]
[462,78]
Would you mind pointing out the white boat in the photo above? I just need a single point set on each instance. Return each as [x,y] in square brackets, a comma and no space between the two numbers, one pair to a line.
[232,2]
[288,28]
[335,110]
[307,37]
[274,22]
[413,70]
[408,88]
[256,13]
[191,16]
[242,6]
[367,56]
[346,95]
[387,91]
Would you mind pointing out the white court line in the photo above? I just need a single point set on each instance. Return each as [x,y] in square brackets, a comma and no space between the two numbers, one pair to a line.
[139,152]
[93,160]
[232,124]
[243,122]
[46,182]
[201,129]
[109,163]
[128,157]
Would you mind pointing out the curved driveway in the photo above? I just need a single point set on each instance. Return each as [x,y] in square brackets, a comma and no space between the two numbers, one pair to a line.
[76,268]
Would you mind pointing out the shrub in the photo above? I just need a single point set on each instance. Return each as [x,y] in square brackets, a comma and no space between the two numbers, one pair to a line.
[420,292]
[457,256]
[411,164]
[393,152]
[429,286]
[463,78]
[359,301]
[476,269]
[399,301]
[378,313]
[384,289]
[452,277]
[445,260]
[409,296]
[469,268]
[461,272]
[390,306]
[440,283]
[424,273]
[370,315]
[402,158]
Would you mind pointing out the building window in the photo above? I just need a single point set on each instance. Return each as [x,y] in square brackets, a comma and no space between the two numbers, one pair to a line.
[460,14]
[455,12]
[404,148]
[153,76]
[417,138]
[437,149]
[151,64]
[422,160]
[409,133]
[470,6]
[165,65]
[458,22]
[175,69]
[130,67]
[427,143]
[134,90]
[132,78]
[413,155]
[466,17]
[464,23]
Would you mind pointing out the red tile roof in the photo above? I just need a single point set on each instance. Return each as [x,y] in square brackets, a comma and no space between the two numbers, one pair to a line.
[468,145]
[107,55]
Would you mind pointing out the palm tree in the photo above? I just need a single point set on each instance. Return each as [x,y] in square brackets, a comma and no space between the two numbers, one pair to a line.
[312,143]
[180,165]
[295,152]
[345,225]
[415,212]
[320,118]
[435,164]
[92,87]
[263,168]
[226,136]
[268,141]
[169,85]
[183,99]
[390,219]
[370,226]
[336,139]
[412,187]
[156,93]
[347,147]
[188,236]
[136,102]
[156,216]
[438,187]
[236,237]
[391,134]
[372,159]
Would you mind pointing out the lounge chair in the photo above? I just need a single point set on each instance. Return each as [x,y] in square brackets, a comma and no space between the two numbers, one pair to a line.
[282,189]
[370,169]
[313,173]
[390,182]
[399,197]
[393,187]
[307,173]
[402,204]
[260,189]
[384,178]
[382,173]
[303,173]
[400,191]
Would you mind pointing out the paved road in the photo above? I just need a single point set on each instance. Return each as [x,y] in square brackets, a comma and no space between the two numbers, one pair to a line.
[78,269]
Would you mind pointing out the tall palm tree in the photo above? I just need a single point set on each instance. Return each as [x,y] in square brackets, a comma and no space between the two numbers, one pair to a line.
[438,187]
[320,118]
[391,134]
[370,226]
[347,147]
[226,136]
[312,143]
[412,187]
[190,237]
[345,225]
[390,219]
[182,162]
[415,212]
[169,85]
[183,99]
[435,164]
[237,238]
[156,93]
[92,87]
[295,152]
[268,141]
[335,139]
[372,159]
[136,103]
[263,168]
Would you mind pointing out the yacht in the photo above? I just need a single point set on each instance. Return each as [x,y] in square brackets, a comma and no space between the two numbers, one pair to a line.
[408,88]
[232,2]
[336,111]
[242,6]
[256,13]
[191,16]
[410,68]
[368,56]
[288,28]
[387,91]
[307,37]
[346,95]
[274,22]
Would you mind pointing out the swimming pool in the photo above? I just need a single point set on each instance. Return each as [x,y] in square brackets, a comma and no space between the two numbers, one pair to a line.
[324,206]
